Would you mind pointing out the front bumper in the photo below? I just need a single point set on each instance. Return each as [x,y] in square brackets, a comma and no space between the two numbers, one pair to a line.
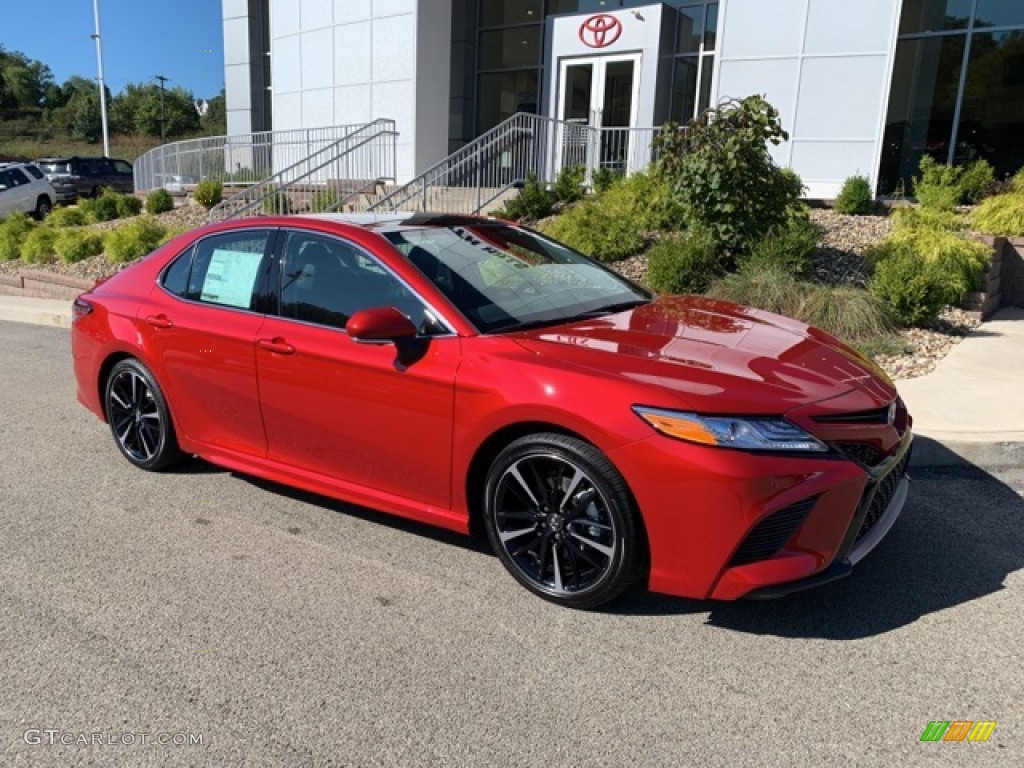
[701,504]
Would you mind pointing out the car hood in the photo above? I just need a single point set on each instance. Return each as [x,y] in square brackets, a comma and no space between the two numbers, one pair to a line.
[717,357]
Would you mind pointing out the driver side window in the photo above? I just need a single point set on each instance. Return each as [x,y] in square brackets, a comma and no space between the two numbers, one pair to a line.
[325,281]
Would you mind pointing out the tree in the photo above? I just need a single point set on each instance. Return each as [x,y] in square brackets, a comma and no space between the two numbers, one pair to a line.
[87,122]
[137,109]
[215,121]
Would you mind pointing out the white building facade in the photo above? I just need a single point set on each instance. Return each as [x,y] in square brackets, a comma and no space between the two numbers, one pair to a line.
[864,88]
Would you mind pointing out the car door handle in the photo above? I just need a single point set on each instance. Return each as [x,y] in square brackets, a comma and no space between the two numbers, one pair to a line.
[160,321]
[277,344]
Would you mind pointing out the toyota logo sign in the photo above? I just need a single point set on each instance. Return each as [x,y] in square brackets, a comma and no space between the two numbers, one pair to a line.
[600,31]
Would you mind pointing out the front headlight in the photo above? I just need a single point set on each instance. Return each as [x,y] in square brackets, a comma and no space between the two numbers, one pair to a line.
[751,433]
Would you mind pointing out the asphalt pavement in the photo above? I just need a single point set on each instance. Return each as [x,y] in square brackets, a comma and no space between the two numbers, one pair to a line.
[283,629]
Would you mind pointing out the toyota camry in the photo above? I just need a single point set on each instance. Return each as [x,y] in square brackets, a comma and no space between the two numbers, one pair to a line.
[470,373]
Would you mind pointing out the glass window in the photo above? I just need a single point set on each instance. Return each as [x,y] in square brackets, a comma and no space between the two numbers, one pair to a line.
[325,281]
[689,29]
[502,94]
[999,13]
[225,268]
[502,277]
[122,167]
[55,166]
[507,48]
[175,277]
[711,27]
[934,15]
[926,77]
[992,115]
[499,13]
[684,89]
[34,171]
[705,83]
[563,6]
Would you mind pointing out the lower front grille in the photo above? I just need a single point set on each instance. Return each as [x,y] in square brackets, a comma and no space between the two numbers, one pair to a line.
[885,489]
[769,535]
[862,452]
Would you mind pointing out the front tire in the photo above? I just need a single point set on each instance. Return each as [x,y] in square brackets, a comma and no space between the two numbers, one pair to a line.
[139,418]
[43,207]
[561,520]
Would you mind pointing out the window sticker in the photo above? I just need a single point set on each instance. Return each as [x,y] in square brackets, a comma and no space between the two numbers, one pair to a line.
[231,278]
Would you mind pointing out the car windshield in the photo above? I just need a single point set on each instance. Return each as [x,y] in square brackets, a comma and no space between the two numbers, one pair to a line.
[54,167]
[505,278]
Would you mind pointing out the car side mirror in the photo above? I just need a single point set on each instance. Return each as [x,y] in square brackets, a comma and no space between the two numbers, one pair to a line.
[380,324]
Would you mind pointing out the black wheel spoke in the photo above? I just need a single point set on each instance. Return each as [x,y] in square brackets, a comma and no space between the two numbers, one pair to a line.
[135,416]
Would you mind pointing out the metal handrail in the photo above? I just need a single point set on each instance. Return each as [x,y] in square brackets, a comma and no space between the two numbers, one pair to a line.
[238,159]
[344,156]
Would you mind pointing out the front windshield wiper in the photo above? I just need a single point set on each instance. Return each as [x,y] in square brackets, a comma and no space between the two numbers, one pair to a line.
[609,309]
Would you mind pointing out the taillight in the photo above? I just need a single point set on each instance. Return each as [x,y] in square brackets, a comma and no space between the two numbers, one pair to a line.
[79,309]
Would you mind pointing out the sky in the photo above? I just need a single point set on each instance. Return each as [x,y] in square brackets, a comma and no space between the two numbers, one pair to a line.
[180,39]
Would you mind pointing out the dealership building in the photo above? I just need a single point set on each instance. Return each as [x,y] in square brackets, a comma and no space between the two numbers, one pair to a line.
[863,86]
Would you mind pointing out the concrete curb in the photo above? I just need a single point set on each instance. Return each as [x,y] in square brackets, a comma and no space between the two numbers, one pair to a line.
[952,452]
[20,309]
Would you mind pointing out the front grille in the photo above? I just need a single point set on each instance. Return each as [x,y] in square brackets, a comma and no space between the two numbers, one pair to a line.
[769,535]
[874,416]
[862,452]
[886,489]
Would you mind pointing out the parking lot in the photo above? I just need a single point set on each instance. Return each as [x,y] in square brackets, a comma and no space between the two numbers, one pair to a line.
[288,629]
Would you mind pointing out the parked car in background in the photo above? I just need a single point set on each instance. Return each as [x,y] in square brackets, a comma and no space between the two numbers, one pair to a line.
[466,372]
[74,177]
[25,189]
[176,185]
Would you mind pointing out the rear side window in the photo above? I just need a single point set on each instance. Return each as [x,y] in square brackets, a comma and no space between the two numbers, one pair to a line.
[122,167]
[17,178]
[176,276]
[34,171]
[226,268]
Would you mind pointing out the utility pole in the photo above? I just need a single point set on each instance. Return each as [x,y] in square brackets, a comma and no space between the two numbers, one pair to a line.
[102,84]
[163,124]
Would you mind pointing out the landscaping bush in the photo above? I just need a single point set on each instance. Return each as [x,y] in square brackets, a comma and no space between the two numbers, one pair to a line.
[617,223]
[133,240]
[73,245]
[67,217]
[603,178]
[87,206]
[850,314]
[686,262]
[324,199]
[1017,182]
[975,182]
[13,231]
[277,204]
[855,197]
[920,271]
[128,205]
[159,201]
[37,247]
[790,248]
[569,184]
[1000,215]
[912,219]
[105,207]
[208,193]
[722,173]
[170,234]
[531,204]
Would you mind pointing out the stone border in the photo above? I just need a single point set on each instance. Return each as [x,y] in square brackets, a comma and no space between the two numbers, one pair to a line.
[43,285]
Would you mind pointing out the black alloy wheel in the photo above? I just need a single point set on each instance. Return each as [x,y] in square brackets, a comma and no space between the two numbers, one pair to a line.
[139,419]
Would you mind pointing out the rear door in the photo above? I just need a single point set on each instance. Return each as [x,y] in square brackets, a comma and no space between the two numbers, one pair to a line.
[122,179]
[201,323]
[367,414]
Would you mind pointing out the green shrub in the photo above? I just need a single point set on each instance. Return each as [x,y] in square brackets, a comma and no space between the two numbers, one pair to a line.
[912,219]
[1000,215]
[208,193]
[603,178]
[324,199]
[68,217]
[37,247]
[975,182]
[87,206]
[723,174]
[531,204]
[13,231]
[855,197]
[938,185]
[105,207]
[74,245]
[791,248]
[618,223]
[850,314]
[159,201]
[133,240]
[1017,182]
[920,271]
[686,262]
[170,234]
[128,205]
[277,204]
[569,184]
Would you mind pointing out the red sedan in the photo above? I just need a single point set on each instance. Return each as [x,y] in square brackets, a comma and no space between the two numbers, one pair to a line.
[462,371]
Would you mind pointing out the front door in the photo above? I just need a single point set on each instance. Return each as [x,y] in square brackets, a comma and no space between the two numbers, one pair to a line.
[599,94]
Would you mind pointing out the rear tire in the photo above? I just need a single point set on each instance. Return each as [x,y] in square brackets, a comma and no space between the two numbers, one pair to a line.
[562,521]
[43,207]
[139,418]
